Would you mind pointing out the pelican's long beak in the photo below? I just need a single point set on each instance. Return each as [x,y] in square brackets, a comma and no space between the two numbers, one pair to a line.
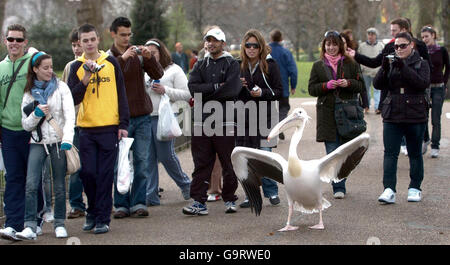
[290,121]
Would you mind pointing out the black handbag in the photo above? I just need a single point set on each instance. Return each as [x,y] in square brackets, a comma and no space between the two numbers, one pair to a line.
[349,116]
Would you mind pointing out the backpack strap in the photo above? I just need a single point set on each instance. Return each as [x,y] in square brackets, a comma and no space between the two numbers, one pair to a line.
[13,78]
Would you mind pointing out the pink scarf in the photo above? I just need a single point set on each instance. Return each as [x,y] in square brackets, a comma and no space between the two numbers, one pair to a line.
[333,61]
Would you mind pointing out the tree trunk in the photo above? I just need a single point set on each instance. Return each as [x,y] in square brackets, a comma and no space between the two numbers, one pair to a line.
[351,21]
[427,14]
[2,13]
[90,11]
[445,22]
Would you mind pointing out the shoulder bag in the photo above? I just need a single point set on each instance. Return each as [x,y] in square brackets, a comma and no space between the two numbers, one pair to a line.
[72,156]
[349,117]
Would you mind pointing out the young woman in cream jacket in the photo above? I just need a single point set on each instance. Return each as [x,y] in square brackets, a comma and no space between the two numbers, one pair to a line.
[174,84]
[54,101]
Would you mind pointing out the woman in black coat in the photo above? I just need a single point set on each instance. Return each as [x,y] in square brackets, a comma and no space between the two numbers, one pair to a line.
[262,86]
[404,112]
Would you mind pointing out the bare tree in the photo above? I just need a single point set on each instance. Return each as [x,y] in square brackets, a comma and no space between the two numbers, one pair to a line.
[426,15]
[445,22]
[2,14]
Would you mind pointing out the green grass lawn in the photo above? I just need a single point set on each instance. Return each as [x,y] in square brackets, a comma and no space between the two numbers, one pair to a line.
[304,69]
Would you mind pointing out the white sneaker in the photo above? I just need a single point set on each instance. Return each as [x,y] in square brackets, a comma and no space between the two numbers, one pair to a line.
[9,233]
[48,217]
[61,232]
[27,234]
[214,197]
[434,153]
[39,231]
[414,195]
[403,150]
[388,196]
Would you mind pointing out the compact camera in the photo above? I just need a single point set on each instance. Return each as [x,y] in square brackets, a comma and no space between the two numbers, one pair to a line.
[392,58]
[138,50]
[97,67]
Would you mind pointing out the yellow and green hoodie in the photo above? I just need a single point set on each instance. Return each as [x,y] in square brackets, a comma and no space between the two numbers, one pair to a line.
[103,102]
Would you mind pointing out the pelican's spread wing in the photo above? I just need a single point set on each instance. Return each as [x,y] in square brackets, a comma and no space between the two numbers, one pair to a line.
[250,165]
[338,164]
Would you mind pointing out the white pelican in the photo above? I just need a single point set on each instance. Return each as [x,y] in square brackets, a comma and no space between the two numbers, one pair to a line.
[301,178]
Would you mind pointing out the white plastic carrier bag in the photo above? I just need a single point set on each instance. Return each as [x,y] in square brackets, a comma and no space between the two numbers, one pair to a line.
[168,127]
[124,170]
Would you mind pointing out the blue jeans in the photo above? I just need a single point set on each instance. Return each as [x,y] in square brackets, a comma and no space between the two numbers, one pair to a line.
[47,185]
[164,152]
[269,186]
[392,137]
[330,147]
[75,183]
[134,200]
[376,93]
[36,162]
[15,148]
[437,101]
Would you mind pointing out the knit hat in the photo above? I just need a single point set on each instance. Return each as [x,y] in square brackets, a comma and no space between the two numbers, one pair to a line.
[372,30]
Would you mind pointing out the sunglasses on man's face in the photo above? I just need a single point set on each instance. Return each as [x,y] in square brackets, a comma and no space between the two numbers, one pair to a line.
[12,39]
[253,45]
[401,46]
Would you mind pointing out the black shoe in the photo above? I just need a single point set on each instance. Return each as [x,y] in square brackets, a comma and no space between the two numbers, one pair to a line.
[89,225]
[274,200]
[101,229]
[281,135]
[245,204]
[140,213]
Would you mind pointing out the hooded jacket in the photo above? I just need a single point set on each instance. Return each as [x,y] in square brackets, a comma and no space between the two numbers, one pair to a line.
[216,80]
[104,105]
[407,86]
[271,91]
[11,115]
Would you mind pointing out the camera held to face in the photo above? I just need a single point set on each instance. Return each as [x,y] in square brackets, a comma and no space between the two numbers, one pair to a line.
[392,58]
[137,50]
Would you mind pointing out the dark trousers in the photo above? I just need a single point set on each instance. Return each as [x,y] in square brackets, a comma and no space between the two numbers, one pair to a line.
[204,150]
[15,149]
[392,137]
[284,107]
[437,101]
[98,154]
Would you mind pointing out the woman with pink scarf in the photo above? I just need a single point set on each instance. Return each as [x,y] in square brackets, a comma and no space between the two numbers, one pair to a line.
[334,73]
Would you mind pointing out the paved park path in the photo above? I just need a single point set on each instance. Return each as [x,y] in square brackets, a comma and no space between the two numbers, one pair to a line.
[357,219]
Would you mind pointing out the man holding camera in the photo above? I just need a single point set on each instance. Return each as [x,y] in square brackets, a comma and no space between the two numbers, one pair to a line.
[97,83]
[134,61]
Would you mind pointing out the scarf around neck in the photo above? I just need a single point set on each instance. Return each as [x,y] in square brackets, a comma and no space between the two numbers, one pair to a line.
[333,61]
[42,90]
[433,48]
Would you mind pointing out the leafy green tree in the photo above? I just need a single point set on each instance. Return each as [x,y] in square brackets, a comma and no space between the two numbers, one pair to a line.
[148,21]
[53,39]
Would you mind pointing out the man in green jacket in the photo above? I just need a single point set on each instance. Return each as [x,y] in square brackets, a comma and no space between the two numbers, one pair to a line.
[14,139]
